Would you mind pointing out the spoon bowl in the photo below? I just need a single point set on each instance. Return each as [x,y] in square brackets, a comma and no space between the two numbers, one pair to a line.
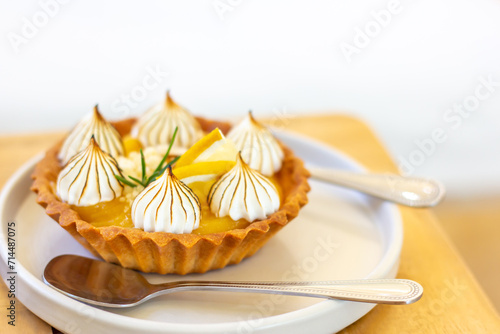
[92,280]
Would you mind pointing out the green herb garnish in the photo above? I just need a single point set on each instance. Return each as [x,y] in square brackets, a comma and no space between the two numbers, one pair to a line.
[160,169]
[125,181]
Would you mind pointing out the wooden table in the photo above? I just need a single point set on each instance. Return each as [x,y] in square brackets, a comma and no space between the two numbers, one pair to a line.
[453,302]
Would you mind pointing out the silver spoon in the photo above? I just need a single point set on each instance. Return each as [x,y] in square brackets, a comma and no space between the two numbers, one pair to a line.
[104,284]
[409,191]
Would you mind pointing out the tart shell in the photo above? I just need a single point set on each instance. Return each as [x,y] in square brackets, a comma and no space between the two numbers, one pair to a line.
[167,253]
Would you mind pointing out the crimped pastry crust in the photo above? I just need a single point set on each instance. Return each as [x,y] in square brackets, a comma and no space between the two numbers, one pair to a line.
[166,253]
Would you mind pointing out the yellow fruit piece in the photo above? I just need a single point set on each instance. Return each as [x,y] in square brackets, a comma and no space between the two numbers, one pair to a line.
[202,171]
[131,144]
[226,151]
[212,147]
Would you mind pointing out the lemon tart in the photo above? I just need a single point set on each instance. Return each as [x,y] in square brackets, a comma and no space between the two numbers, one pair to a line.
[205,210]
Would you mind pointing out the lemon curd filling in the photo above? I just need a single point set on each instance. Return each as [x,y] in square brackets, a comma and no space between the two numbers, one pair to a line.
[117,212]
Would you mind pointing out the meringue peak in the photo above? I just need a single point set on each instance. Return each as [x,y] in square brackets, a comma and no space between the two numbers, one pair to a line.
[253,120]
[243,193]
[156,126]
[97,114]
[169,102]
[89,177]
[93,124]
[167,205]
[93,143]
[258,146]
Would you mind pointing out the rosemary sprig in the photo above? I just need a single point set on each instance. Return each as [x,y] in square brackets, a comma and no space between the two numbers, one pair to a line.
[125,181]
[143,166]
[160,169]
[159,172]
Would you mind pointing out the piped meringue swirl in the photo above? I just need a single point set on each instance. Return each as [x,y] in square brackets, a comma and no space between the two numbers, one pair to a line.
[89,177]
[243,193]
[167,205]
[258,147]
[93,124]
[157,125]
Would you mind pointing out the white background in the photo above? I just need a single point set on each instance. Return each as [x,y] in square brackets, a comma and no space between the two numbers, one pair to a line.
[274,57]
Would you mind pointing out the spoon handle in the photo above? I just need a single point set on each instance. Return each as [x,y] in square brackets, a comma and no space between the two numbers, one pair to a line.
[380,291]
[408,191]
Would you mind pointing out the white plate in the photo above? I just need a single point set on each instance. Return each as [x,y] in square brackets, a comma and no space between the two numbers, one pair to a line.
[340,234]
